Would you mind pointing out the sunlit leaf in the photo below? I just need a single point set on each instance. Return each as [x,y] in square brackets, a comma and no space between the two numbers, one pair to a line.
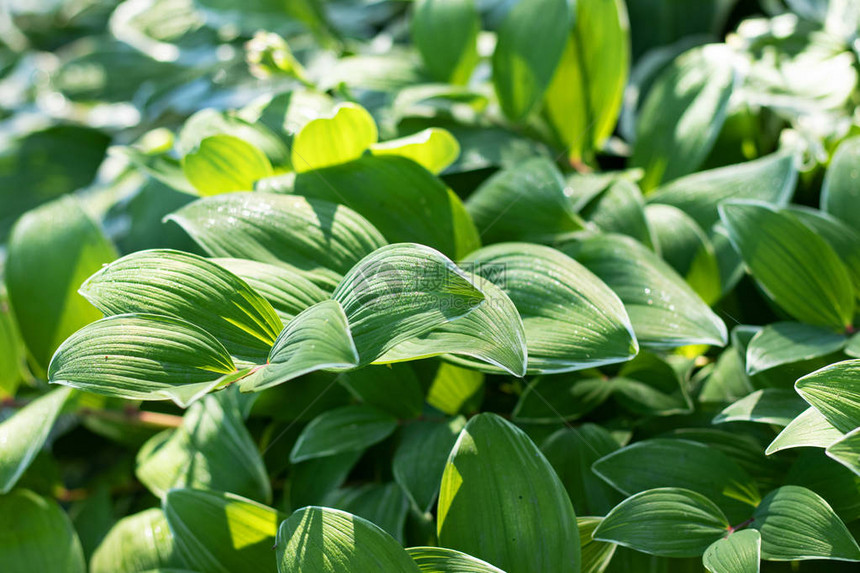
[332,140]
[223,164]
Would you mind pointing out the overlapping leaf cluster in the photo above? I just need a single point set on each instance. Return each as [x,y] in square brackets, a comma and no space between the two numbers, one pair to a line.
[437,286]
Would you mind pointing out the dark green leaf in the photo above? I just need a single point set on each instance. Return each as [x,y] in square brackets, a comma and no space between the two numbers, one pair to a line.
[138,542]
[738,553]
[342,430]
[839,192]
[769,406]
[787,342]
[446,34]
[441,560]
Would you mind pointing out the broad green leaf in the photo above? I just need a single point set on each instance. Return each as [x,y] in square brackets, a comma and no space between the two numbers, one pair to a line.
[52,250]
[12,354]
[572,320]
[840,194]
[188,287]
[683,114]
[844,239]
[384,505]
[794,265]
[323,540]
[220,532]
[499,494]
[445,32]
[664,310]
[341,430]
[317,338]
[770,179]
[142,357]
[138,542]
[620,208]
[584,98]
[442,560]
[650,386]
[209,122]
[37,535]
[490,338]
[526,202]
[402,291]
[839,487]
[847,451]
[312,480]
[223,164]
[211,450]
[288,290]
[796,523]
[809,429]
[787,342]
[552,399]
[23,434]
[316,236]
[661,462]
[530,45]
[393,388]
[433,148]
[455,389]
[425,210]
[572,452]
[421,456]
[596,555]
[740,552]
[333,140]
[685,246]
[835,392]
[669,522]
[769,406]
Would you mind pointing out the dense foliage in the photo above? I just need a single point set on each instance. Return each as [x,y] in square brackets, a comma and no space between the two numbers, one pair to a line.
[532,286]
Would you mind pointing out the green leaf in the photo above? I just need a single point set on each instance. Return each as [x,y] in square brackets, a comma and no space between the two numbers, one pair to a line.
[661,462]
[809,429]
[796,523]
[142,357]
[839,192]
[311,481]
[425,210]
[527,202]
[529,47]
[138,542]
[853,347]
[316,236]
[769,406]
[664,310]
[771,179]
[620,208]
[683,113]
[344,429]
[421,456]
[318,338]
[788,342]
[12,354]
[490,338]
[669,522]
[211,450]
[499,494]
[685,246]
[23,434]
[52,250]
[738,553]
[288,290]
[384,505]
[572,320]
[442,560]
[433,148]
[445,32]
[37,535]
[223,164]
[220,532]
[572,452]
[333,140]
[584,98]
[596,555]
[188,287]
[835,392]
[455,389]
[551,399]
[209,122]
[323,540]
[794,266]
[159,166]
[846,451]
[650,386]
[394,388]
[402,291]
